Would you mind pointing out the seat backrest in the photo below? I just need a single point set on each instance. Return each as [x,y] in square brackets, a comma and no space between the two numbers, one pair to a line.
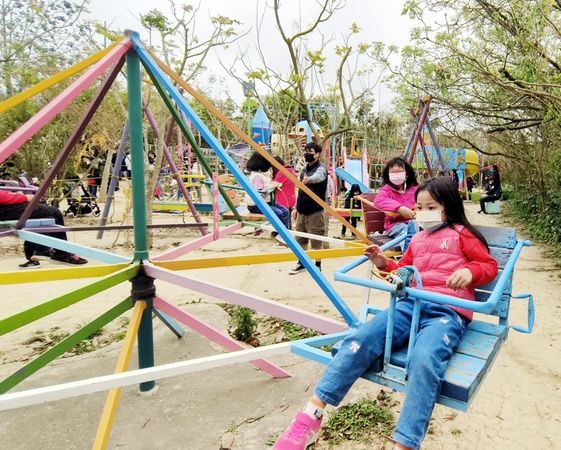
[501,243]
[373,218]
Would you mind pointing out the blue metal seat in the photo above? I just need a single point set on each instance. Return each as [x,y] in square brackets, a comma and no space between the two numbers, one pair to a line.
[480,344]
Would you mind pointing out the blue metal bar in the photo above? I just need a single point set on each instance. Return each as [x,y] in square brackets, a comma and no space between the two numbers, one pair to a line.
[170,322]
[389,331]
[72,247]
[184,106]
[414,327]
[481,307]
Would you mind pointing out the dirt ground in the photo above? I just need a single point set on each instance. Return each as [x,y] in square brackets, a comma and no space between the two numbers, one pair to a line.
[238,406]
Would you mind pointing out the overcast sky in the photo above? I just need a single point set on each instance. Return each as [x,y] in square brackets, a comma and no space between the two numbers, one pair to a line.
[379,20]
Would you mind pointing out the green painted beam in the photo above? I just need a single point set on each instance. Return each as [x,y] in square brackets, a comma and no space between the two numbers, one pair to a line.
[37,312]
[136,140]
[191,139]
[63,346]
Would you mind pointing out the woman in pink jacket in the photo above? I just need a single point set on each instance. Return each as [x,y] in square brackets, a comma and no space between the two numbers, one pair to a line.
[397,195]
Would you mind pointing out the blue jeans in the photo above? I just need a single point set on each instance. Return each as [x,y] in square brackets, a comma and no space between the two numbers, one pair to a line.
[440,332]
[280,211]
[399,229]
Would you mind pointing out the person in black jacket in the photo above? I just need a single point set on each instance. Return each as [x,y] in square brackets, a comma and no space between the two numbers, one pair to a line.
[493,191]
[309,215]
[352,203]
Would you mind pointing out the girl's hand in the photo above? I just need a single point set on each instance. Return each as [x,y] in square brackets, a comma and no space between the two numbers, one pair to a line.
[406,212]
[459,279]
[376,255]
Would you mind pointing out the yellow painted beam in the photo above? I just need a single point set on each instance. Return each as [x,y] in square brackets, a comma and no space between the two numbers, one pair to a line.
[56,78]
[114,395]
[242,135]
[246,260]
[67,273]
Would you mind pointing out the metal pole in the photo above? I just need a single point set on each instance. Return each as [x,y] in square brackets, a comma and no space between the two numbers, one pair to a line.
[137,156]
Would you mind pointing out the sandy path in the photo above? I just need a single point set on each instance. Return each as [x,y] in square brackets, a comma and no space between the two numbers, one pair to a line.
[238,407]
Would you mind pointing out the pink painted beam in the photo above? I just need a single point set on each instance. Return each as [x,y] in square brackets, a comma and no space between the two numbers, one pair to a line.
[257,303]
[196,244]
[55,106]
[215,335]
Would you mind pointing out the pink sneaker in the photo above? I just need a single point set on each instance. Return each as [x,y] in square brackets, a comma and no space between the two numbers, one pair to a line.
[302,432]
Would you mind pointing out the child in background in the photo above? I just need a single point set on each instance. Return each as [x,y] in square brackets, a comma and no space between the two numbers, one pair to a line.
[397,195]
[452,258]
[262,182]
[286,191]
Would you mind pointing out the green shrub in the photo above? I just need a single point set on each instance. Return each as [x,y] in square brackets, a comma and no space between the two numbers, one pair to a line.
[243,323]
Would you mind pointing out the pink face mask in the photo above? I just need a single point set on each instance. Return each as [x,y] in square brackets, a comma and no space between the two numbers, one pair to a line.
[398,178]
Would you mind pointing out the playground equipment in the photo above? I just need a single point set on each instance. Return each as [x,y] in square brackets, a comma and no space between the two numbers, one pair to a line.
[261,127]
[481,342]
[142,270]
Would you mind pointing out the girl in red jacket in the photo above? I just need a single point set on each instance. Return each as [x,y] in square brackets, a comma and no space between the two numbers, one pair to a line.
[452,257]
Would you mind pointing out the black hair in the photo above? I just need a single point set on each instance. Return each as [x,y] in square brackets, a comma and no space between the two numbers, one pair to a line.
[257,163]
[313,146]
[411,179]
[355,188]
[280,161]
[444,192]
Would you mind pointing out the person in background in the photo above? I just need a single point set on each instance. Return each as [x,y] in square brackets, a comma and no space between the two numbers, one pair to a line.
[456,178]
[12,206]
[286,191]
[262,182]
[493,191]
[397,195]
[310,216]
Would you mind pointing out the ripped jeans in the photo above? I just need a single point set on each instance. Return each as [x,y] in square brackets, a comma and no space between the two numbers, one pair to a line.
[440,332]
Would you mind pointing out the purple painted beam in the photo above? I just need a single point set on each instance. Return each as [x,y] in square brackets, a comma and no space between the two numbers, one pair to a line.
[196,244]
[257,303]
[71,142]
[55,106]
[215,335]
[173,167]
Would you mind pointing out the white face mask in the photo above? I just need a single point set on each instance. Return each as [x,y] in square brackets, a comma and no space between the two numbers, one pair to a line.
[428,220]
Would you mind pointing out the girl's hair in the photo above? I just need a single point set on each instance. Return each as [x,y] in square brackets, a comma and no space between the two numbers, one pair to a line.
[280,161]
[444,192]
[257,163]
[355,188]
[411,179]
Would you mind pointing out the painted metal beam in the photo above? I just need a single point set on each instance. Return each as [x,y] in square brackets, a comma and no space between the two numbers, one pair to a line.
[186,131]
[184,106]
[197,243]
[114,395]
[72,247]
[56,78]
[173,168]
[257,303]
[103,383]
[258,258]
[63,346]
[37,312]
[134,90]
[242,135]
[71,142]
[67,273]
[215,335]
[9,146]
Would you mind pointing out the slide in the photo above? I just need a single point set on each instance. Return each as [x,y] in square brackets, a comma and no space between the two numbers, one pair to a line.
[350,178]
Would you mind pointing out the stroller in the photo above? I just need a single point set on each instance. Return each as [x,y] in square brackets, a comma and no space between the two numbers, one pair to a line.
[82,204]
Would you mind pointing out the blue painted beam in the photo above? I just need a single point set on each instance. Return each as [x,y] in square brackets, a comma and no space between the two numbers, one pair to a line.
[211,140]
[72,247]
